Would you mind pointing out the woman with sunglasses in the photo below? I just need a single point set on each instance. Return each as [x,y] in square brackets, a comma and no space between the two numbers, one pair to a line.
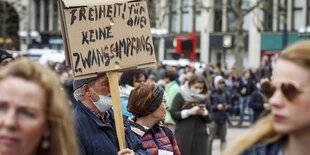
[286,131]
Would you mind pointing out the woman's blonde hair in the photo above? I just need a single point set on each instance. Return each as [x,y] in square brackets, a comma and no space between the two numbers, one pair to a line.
[263,131]
[62,137]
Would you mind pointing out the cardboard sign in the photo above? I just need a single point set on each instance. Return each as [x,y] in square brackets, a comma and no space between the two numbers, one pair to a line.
[106,35]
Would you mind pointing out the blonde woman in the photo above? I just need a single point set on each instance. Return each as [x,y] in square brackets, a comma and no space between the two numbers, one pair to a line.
[286,131]
[35,117]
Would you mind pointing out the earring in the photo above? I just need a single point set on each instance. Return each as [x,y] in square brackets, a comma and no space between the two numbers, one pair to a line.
[45,144]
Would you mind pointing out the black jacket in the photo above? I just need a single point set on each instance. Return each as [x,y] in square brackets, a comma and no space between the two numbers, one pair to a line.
[96,137]
[220,97]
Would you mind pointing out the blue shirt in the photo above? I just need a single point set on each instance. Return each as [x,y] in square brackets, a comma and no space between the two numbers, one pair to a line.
[98,137]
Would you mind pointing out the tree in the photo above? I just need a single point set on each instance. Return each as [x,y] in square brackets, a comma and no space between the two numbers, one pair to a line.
[236,7]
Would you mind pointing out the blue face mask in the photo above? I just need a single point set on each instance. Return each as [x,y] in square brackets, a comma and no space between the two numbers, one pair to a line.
[104,103]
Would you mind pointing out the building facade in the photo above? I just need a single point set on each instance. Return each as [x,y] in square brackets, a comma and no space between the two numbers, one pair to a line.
[213,22]
[38,20]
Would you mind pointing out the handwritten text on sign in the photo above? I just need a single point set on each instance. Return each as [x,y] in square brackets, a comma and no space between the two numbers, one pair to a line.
[102,36]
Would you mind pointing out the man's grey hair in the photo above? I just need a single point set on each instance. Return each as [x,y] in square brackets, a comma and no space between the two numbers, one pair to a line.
[78,93]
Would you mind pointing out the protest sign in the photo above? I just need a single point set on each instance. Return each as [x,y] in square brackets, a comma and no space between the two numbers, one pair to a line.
[106,35]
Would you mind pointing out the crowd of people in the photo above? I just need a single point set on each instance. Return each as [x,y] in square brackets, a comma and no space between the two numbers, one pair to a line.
[166,110]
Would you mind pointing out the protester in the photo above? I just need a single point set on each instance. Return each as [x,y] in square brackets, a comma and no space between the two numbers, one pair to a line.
[208,72]
[257,102]
[235,96]
[129,80]
[157,72]
[5,58]
[286,130]
[94,119]
[191,110]
[263,71]
[35,116]
[221,103]
[148,104]
[247,87]
[172,88]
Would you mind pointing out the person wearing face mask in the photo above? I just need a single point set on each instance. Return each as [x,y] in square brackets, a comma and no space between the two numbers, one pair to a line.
[94,120]
[191,110]
[221,103]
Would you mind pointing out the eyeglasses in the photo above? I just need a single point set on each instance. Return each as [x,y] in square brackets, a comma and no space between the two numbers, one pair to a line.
[289,90]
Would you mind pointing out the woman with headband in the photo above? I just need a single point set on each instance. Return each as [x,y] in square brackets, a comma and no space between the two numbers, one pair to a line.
[148,105]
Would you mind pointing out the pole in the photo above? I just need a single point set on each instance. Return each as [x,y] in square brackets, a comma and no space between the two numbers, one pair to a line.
[28,41]
[116,101]
[284,43]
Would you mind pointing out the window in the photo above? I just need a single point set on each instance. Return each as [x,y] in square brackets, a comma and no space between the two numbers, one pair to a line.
[198,16]
[55,16]
[231,21]
[246,17]
[246,24]
[185,17]
[218,16]
[173,16]
[297,15]
[173,25]
[37,14]
[281,14]
[46,14]
[198,22]
[308,12]
[268,13]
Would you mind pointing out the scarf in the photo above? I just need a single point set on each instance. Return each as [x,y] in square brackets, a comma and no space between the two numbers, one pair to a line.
[190,96]
[125,91]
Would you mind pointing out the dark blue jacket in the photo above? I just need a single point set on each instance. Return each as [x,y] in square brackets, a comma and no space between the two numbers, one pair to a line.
[97,137]
[267,149]
[257,103]
[220,97]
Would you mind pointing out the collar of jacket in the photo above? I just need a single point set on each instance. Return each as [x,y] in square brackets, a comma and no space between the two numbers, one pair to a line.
[140,129]
[97,119]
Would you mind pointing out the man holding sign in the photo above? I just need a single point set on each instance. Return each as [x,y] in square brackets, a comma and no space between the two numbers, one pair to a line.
[94,120]
[104,36]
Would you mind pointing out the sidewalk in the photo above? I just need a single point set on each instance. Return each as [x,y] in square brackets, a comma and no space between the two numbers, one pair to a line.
[233,132]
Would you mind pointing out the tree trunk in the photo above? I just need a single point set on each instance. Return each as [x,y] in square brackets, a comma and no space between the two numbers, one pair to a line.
[239,36]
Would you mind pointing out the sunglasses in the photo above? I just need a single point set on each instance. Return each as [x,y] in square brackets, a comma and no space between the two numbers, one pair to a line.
[289,90]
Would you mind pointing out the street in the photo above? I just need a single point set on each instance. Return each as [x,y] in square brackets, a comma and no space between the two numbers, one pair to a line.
[232,133]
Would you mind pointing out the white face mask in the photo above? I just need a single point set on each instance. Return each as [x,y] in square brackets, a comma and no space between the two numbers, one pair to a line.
[104,103]
[196,91]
